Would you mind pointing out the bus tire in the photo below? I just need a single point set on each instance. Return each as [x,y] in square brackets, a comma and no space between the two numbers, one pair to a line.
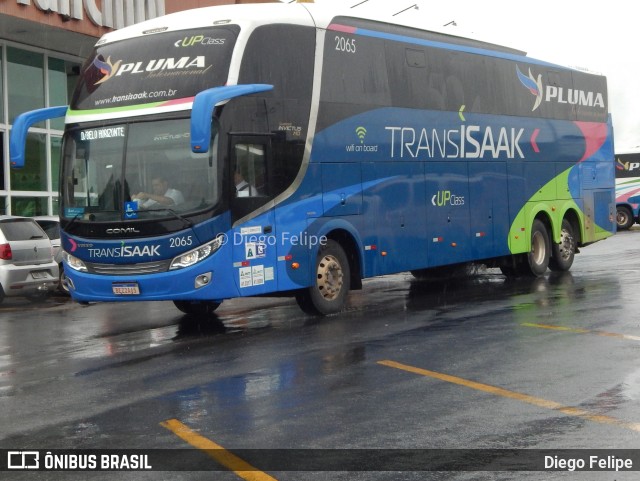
[197,308]
[63,288]
[331,285]
[540,253]
[624,217]
[562,254]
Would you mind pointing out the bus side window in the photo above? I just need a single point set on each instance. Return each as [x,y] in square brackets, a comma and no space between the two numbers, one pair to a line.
[250,170]
[250,161]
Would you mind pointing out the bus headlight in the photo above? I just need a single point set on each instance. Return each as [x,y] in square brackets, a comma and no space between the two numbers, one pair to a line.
[75,263]
[197,255]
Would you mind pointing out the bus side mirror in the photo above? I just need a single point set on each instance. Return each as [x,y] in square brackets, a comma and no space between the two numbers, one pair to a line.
[20,129]
[202,110]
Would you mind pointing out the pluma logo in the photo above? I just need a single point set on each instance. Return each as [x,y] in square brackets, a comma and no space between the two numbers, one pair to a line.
[559,94]
[534,85]
[106,68]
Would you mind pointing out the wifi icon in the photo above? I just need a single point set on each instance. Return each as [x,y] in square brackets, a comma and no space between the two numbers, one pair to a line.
[361,132]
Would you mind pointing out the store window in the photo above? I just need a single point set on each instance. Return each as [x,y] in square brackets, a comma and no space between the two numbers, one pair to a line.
[63,76]
[2,121]
[56,152]
[2,142]
[33,176]
[25,79]
[29,206]
[32,80]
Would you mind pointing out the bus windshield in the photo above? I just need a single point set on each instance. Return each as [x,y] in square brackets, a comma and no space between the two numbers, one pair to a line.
[155,69]
[136,170]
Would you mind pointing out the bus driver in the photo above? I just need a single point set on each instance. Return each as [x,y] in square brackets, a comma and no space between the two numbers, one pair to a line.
[162,194]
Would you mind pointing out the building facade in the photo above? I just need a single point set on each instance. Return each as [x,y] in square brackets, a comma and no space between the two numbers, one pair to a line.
[43,43]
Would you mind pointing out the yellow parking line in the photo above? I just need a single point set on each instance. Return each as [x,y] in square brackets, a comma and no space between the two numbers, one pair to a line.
[536,401]
[625,337]
[229,460]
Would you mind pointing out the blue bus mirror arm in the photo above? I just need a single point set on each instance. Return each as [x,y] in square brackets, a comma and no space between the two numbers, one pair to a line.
[202,110]
[20,129]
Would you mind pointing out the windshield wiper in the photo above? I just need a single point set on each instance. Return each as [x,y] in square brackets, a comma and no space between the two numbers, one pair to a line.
[186,221]
[73,220]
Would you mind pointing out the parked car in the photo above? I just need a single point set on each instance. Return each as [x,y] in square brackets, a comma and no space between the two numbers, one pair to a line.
[27,267]
[51,225]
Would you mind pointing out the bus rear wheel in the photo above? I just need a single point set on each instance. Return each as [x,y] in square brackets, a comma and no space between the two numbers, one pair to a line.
[197,308]
[329,292]
[538,257]
[564,252]
[535,262]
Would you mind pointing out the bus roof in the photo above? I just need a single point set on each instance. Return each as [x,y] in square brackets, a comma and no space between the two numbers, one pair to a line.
[252,15]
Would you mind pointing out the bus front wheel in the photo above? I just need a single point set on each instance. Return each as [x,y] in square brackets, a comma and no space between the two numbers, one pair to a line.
[197,308]
[332,278]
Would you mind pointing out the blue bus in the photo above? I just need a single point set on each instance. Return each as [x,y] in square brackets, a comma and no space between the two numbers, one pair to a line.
[362,148]
[627,189]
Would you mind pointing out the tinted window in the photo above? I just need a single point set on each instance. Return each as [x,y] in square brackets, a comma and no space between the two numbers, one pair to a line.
[50,227]
[401,67]
[355,70]
[283,56]
[16,230]
[155,68]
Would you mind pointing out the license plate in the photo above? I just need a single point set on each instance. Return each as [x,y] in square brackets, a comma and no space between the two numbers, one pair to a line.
[39,274]
[126,289]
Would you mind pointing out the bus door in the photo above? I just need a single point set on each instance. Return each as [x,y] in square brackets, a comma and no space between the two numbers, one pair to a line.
[394,213]
[447,213]
[488,208]
[253,233]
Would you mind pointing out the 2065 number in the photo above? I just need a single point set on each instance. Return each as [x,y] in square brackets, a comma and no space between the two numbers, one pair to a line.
[180,241]
[344,44]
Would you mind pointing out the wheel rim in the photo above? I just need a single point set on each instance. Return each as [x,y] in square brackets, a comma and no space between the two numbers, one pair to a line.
[330,276]
[63,282]
[622,218]
[565,249]
[538,249]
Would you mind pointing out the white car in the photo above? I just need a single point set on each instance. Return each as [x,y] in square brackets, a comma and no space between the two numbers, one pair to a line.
[27,268]
[51,225]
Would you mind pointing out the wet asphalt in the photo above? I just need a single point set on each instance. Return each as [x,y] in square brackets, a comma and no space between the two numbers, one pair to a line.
[480,362]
